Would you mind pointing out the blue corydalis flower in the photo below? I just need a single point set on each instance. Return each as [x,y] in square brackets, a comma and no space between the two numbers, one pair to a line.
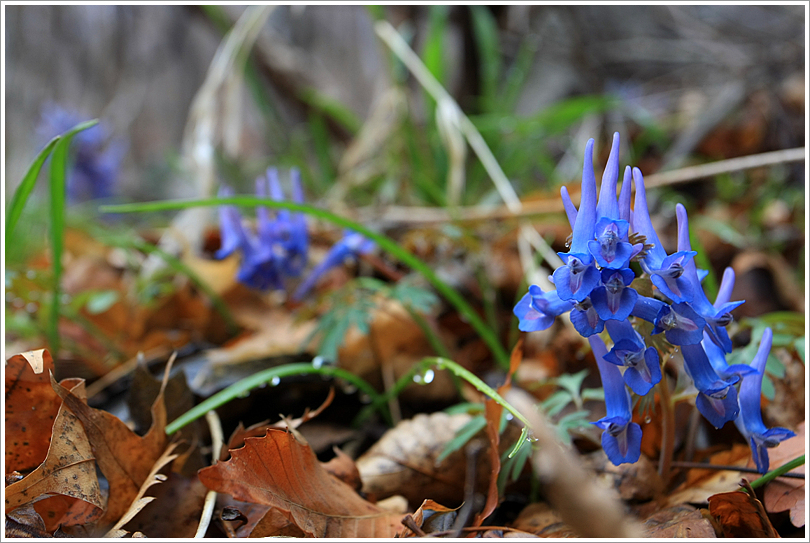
[717,358]
[749,423]
[576,278]
[643,364]
[717,397]
[610,248]
[621,439]
[680,323]
[537,310]
[666,272]
[351,245]
[716,317]
[288,233]
[614,300]
[94,161]
[586,319]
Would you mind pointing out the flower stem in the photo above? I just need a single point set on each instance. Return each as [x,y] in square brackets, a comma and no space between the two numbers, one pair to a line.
[667,427]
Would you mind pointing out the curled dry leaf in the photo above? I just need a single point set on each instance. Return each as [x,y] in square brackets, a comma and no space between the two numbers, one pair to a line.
[69,470]
[403,461]
[741,515]
[678,521]
[702,483]
[278,471]
[124,458]
[31,407]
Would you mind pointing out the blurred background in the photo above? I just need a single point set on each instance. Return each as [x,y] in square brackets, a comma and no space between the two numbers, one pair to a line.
[682,84]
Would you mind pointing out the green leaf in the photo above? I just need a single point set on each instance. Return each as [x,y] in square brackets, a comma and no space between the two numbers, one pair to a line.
[556,402]
[433,50]
[799,344]
[767,387]
[485,32]
[775,367]
[332,108]
[23,191]
[58,176]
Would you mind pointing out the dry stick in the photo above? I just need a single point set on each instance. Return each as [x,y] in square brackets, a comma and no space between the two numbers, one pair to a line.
[217,440]
[416,214]
[592,510]
[725,467]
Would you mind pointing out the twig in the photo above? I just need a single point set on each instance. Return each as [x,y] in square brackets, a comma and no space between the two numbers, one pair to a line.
[217,440]
[725,467]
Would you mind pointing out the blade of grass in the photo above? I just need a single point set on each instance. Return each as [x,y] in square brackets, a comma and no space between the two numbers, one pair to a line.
[58,175]
[384,242]
[23,191]
[489,57]
[781,470]
[266,376]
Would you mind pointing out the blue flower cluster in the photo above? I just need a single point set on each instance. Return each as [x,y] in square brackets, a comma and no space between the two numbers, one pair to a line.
[279,246]
[594,284]
[93,172]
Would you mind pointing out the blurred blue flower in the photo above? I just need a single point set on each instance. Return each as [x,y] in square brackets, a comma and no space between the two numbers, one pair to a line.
[749,423]
[621,439]
[279,246]
[351,245]
[93,160]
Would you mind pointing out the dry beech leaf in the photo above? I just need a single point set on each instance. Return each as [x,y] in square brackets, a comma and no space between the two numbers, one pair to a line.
[403,461]
[741,515]
[431,517]
[31,407]
[278,471]
[537,517]
[69,470]
[343,467]
[125,458]
[176,509]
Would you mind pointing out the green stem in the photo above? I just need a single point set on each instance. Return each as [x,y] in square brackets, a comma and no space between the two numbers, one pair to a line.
[257,379]
[781,470]
[385,243]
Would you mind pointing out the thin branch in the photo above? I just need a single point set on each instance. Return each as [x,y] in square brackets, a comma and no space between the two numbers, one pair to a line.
[217,439]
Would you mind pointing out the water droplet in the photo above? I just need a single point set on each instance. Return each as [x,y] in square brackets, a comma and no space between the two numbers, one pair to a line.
[428,377]
[243,394]
[509,416]
[348,388]
[647,419]
[318,361]
[364,398]
[275,381]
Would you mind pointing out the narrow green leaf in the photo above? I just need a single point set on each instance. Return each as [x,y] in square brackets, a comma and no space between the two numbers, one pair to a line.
[463,435]
[486,39]
[58,176]
[23,191]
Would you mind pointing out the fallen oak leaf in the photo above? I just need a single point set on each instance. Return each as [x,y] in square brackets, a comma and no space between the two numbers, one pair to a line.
[787,494]
[69,469]
[31,406]
[124,458]
[278,471]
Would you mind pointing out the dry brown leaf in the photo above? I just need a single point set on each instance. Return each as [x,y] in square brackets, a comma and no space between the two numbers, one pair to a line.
[176,510]
[537,518]
[125,458]
[702,483]
[278,471]
[403,461]
[31,407]
[787,494]
[493,411]
[141,500]
[678,521]
[343,467]
[68,470]
[741,515]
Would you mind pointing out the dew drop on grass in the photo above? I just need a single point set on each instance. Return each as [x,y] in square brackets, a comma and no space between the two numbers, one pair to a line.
[348,388]
[275,381]
[243,394]
[424,377]
[317,362]
[647,419]
[364,398]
